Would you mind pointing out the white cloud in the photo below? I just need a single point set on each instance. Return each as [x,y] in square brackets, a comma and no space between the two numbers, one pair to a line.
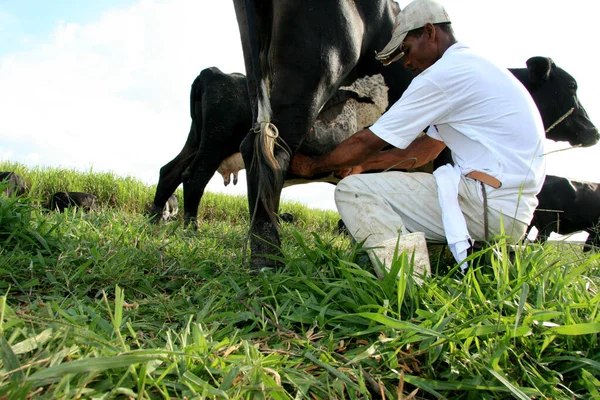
[115,93]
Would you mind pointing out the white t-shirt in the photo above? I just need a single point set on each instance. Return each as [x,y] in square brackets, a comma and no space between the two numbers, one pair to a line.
[487,119]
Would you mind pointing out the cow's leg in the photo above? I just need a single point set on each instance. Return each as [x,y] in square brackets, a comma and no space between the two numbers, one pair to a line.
[264,238]
[264,205]
[264,235]
[293,122]
[302,78]
[171,175]
[195,179]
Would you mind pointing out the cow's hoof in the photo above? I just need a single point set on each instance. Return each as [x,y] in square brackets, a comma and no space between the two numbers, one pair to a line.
[155,214]
[262,264]
[190,223]
[156,219]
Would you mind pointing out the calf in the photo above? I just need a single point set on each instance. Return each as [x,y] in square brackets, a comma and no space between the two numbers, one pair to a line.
[62,200]
[568,206]
[221,117]
[286,217]
[15,184]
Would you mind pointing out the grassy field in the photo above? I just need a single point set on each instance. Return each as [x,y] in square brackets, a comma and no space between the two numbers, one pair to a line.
[105,305]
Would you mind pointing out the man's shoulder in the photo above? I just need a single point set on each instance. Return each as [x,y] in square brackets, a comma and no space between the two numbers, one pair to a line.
[458,60]
[461,60]
[461,54]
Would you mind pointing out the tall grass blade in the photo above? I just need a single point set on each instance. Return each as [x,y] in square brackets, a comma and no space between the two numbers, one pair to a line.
[10,361]
[575,329]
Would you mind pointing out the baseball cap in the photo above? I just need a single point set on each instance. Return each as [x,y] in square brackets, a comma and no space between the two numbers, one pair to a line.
[414,16]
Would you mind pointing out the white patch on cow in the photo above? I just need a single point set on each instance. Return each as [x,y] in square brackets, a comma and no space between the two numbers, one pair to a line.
[264,103]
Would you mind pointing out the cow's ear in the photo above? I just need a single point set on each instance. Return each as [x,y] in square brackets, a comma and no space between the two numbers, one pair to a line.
[539,69]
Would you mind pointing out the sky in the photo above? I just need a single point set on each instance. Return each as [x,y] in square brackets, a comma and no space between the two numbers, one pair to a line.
[104,85]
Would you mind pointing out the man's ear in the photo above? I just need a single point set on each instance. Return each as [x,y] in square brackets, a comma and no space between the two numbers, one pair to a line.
[430,31]
[539,69]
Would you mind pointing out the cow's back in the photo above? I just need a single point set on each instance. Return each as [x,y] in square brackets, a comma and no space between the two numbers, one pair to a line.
[220,104]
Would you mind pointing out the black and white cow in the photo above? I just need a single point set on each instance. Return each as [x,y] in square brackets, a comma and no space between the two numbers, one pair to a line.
[15,184]
[171,208]
[297,53]
[62,200]
[568,206]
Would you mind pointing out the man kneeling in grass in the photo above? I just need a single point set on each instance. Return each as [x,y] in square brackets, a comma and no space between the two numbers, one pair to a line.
[461,100]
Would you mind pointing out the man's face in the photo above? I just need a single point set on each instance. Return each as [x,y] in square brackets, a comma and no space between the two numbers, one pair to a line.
[420,52]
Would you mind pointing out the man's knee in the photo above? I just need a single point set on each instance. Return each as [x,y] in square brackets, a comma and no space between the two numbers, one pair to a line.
[348,188]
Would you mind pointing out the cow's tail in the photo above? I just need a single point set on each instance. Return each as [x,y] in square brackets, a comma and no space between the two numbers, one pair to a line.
[270,171]
[265,164]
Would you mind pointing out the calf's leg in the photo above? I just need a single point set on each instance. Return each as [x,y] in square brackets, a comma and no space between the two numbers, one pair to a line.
[171,176]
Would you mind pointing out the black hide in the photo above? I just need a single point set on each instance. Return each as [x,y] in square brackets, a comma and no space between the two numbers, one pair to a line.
[568,206]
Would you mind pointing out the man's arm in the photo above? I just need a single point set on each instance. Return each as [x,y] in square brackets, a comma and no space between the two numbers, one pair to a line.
[355,150]
[421,151]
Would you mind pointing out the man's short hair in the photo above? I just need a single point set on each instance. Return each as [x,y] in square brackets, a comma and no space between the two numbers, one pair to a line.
[445,27]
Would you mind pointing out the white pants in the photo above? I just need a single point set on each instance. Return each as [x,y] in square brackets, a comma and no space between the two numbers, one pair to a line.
[379,207]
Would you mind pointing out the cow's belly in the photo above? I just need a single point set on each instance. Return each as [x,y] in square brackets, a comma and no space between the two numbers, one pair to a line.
[354,108]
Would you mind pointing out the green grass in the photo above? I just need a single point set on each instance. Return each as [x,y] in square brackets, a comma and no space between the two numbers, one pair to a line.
[105,305]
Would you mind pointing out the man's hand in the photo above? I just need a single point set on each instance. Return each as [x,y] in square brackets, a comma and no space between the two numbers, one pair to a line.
[302,165]
[349,171]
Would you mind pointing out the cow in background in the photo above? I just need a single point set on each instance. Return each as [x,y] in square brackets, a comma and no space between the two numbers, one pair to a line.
[60,201]
[221,117]
[555,94]
[171,208]
[297,53]
[15,184]
[568,206]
